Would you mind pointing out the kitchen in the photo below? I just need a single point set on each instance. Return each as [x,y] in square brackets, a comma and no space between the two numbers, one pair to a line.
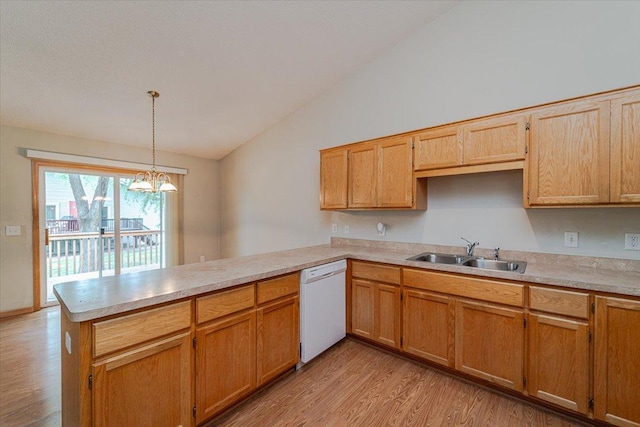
[257,207]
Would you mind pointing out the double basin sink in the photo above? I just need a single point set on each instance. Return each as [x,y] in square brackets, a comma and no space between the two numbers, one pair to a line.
[472,261]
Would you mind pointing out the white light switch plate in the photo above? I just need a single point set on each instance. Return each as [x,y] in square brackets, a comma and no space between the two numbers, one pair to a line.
[12,230]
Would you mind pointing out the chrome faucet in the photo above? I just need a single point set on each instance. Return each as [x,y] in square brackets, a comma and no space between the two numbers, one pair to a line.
[496,253]
[470,246]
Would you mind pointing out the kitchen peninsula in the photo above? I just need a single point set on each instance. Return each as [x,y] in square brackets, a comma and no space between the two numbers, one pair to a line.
[139,345]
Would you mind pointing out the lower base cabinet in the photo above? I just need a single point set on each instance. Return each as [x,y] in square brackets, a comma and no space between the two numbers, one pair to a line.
[147,386]
[617,361]
[278,338]
[559,361]
[428,326]
[489,343]
[225,363]
[375,311]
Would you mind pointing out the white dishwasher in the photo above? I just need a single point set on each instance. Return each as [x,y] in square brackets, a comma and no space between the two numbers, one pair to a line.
[322,308]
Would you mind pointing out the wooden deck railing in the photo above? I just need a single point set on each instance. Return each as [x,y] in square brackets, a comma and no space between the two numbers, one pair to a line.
[64,226]
[66,252]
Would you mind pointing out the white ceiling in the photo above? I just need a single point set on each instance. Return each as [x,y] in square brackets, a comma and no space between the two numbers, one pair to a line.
[225,70]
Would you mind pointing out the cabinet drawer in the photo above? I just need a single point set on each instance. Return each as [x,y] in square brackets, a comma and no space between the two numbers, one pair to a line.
[279,287]
[470,287]
[379,273]
[569,303]
[224,303]
[116,334]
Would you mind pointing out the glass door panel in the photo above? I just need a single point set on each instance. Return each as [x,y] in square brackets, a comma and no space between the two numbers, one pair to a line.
[142,229]
[74,248]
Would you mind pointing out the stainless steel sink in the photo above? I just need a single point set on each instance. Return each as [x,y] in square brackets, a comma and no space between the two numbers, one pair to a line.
[439,258]
[500,265]
[469,261]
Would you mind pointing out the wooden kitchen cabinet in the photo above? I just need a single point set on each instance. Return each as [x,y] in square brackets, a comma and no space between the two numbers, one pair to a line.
[617,361]
[489,343]
[141,375]
[147,386]
[375,300]
[369,175]
[428,323]
[481,142]
[363,308]
[225,363]
[625,148]
[225,349]
[376,311]
[438,148]
[333,178]
[559,361]
[278,347]
[494,140]
[569,154]
[363,179]
[395,173]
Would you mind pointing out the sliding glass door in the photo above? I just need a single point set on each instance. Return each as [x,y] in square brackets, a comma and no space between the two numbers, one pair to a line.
[94,227]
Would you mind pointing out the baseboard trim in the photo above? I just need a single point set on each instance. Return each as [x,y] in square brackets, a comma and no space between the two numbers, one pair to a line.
[16,312]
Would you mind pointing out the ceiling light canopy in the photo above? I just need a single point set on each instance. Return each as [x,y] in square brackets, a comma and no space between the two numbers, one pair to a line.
[152,181]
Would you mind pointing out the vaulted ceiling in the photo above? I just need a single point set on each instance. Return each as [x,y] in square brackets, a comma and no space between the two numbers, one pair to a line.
[225,70]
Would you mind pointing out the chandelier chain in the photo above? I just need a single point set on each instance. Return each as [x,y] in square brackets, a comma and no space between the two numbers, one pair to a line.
[153,128]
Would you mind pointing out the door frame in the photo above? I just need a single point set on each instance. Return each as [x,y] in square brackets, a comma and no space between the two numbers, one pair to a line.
[37,240]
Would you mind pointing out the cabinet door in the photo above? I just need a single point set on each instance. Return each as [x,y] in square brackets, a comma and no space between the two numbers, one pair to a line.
[438,148]
[569,148]
[395,173]
[428,326]
[387,315]
[362,176]
[225,363]
[147,386]
[559,361]
[625,149]
[494,140]
[489,343]
[362,308]
[278,342]
[333,179]
[617,361]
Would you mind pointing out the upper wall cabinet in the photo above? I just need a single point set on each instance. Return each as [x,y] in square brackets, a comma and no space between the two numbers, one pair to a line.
[586,152]
[570,154]
[494,140]
[495,143]
[363,165]
[370,175]
[581,152]
[395,174]
[333,178]
[625,149]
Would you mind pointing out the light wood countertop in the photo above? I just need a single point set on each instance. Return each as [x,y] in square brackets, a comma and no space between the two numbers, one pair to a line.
[94,298]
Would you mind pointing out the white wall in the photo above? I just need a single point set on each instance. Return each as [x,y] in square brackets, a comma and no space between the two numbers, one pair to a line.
[201,219]
[480,58]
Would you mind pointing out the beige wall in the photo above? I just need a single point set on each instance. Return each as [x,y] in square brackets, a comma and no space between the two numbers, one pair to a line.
[201,186]
[479,58]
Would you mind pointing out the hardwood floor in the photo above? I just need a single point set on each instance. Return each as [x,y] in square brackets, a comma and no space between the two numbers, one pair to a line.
[30,369]
[356,385]
[350,385]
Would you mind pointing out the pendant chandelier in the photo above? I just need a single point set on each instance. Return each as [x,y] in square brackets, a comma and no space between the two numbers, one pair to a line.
[153,181]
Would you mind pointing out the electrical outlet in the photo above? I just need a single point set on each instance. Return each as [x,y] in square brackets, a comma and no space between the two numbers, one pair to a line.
[346,229]
[632,241]
[571,239]
[334,228]
[201,258]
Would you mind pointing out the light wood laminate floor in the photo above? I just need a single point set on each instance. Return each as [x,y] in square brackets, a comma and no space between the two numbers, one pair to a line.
[350,385]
